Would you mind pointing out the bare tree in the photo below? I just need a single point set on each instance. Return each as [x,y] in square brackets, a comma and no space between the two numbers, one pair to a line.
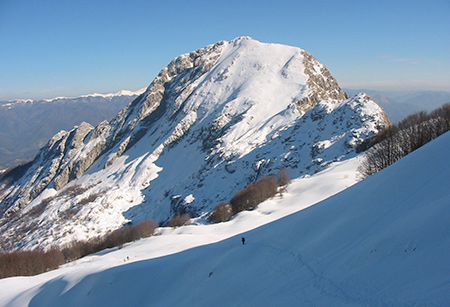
[380,156]
[254,194]
[179,220]
[146,229]
[414,131]
[221,213]
[283,177]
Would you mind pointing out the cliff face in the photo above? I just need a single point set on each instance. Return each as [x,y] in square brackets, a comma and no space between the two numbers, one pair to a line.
[323,86]
[211,122]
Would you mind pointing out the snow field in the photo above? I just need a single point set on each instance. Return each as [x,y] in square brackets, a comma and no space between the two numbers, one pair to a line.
[383,241]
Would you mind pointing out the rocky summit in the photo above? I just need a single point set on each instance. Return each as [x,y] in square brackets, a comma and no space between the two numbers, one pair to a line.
[211,122]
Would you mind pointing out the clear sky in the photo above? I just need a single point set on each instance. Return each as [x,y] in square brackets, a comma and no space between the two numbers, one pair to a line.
[52,48]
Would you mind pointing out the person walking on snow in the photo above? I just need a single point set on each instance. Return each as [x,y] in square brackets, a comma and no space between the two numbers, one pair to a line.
[243,240]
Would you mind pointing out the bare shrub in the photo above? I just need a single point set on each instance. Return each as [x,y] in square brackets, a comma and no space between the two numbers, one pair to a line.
[241,200]
[179,220]
[78,249]
[120,237]
[265,188]
[28,263]
[146,229]
[24,228]
[69,213]
[221,213]
[117,238]
[53,258]
[90,199]
[73,190]
[254,194]
[415,136]
[39,208]
[283,177]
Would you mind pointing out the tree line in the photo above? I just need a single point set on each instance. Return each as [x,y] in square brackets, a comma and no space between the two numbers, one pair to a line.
[28,263]
[396,141]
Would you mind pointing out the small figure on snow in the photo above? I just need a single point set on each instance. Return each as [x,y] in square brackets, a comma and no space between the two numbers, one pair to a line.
[243,240]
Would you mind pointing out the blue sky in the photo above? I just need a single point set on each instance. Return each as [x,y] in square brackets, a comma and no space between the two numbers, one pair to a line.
[68,48]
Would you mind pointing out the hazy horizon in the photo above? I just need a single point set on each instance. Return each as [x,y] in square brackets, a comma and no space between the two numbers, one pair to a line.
[344,88]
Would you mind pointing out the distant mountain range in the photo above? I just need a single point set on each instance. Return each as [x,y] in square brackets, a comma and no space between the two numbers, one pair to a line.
[399,104]
[26,125]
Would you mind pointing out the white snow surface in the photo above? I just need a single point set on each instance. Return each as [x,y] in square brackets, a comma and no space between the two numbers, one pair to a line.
[381,242]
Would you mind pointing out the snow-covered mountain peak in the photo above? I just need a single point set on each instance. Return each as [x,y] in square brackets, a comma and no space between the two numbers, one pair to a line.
[245,78]
[211,122]
[241,38]
[119,93]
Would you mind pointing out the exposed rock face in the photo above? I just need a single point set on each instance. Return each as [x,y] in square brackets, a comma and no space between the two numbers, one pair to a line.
[211,122]
[54,162]
[178,77]
[323,86]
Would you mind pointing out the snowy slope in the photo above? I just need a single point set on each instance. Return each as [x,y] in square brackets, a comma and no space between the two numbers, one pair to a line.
[383,241]
[211,122]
